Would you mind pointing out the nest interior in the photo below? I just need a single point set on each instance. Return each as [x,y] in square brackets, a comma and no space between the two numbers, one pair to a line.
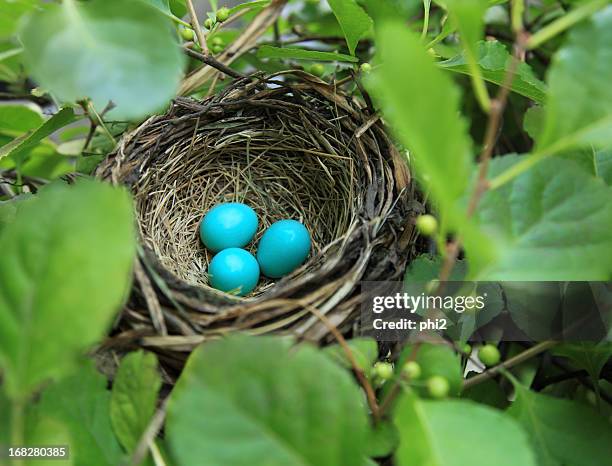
[290,146]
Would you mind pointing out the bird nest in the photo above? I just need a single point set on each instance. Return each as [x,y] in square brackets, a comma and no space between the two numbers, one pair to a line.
[289,146]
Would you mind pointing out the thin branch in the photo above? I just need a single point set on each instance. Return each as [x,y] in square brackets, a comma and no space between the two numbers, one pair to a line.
[211,61]
[369,391]
[493,125]
[508,363]
[148,436]
[195,23]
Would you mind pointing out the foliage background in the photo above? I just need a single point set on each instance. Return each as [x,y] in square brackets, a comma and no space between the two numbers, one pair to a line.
[504,111]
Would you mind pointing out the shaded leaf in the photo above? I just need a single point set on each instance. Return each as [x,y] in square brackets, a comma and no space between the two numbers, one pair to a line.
[81,403]
[266,402]
[134,397]
[64,271]
[365,352]
[458,433]
[422,104]
[589,356]
[493,60]
[562,432]
[108,50]
[353,20]
[550,223]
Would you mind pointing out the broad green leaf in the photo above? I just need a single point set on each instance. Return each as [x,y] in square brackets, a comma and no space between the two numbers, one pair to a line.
[251,4]
[534,121]
[353,20]
[458,433]
[533,306]
[364,350]
[168,7]
[11,12]
[267,51]
[21,145]
[552,222]
[258,398]
[17,119]
[487,393]
[134,397]
[64,271]
[82,404]
[383,439]
[586,355]
[436,360]
[579,106]
[422,105]
[562,432]
[468,18]
[108,50]
[49,431]
[493,61]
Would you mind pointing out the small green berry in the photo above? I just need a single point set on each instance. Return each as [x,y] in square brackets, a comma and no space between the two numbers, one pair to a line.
[384,370]
[216,49]
[427,224]
[317,69]
[187,34]
[438,387]
[365,68]
[217,41]
[467,348]
[222,14]
[208,23]
[412,370]
[489,355]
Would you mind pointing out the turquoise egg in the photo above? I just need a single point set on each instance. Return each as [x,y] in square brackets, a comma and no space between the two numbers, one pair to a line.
[283,248]
[234,270]
[228,225]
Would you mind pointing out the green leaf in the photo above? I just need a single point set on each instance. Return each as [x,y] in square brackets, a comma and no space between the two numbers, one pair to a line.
[586,355]
[425,268]
[28,141]
[458,433]
[108,50]
[422,104]
[258,398]
[64,272]
[365,352]
[267,51]
[247,5]
[81,403]
[562,432]
[493,61]
[383,440]
[487,393]
[579,106]
[552,222]
[436,360]
[48,431]
[353,20]
[17,119]
[134,397]
[468,17]
[10,14]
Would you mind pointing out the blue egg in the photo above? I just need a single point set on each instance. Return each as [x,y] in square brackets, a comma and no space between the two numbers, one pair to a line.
[283,248]
[229,225]
[234,270]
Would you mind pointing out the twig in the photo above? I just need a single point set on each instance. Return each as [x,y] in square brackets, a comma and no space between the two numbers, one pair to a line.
[508,363]
[196,27]
[498,104]
[211,61]
[369,391]
[395,389]
[149,435]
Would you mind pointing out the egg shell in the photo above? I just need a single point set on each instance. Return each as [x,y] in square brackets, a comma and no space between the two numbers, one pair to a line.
[234,270]
[228,225]
[283,248]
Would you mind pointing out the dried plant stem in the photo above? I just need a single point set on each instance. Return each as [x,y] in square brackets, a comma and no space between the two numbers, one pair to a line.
[195,23]
[211,61]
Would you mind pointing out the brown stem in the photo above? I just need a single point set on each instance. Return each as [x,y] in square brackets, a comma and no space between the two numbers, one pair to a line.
[211,61]
[498,104]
